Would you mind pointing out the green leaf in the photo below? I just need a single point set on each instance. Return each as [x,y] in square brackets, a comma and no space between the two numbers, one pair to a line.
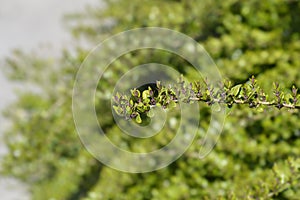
[138,119]
[128,109]
[158,84]
[145,94]
[236,90]
[135,92]
[131,103]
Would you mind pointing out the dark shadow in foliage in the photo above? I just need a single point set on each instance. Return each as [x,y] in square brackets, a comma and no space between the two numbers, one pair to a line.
[89,180]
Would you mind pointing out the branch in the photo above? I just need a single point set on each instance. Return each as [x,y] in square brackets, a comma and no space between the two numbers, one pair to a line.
[139,103]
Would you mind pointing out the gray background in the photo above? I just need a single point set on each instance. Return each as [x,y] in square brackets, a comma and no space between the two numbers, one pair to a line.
[29,25]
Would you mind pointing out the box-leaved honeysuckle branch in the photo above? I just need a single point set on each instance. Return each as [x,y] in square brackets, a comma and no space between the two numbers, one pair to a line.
[140,102]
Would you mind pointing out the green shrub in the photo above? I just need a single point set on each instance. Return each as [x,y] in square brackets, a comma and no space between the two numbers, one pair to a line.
[257,156]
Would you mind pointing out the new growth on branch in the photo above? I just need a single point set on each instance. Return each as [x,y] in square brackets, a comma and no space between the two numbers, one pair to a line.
[138,105]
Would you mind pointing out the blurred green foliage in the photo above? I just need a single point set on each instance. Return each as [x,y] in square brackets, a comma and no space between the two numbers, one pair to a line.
[257,156]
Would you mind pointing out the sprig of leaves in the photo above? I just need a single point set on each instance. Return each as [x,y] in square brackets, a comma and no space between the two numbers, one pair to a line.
[249,93]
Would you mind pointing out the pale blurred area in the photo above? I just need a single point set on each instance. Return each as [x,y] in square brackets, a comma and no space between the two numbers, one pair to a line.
[30,25]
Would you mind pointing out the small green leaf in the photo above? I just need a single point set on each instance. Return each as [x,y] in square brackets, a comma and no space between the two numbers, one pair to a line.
[158,84]
[128,109]
[227,84]
[131,102]
[145,94]
[236,90]
[135,92]
[289,98]
[138,119]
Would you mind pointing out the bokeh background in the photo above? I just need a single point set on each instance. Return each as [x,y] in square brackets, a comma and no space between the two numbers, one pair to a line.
[31,26]
[257,156]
